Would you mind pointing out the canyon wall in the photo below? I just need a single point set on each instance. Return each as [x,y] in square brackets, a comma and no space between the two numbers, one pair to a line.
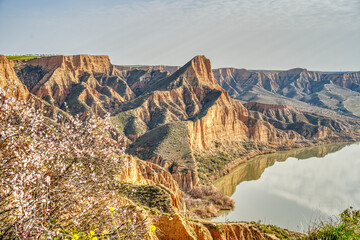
[9,80]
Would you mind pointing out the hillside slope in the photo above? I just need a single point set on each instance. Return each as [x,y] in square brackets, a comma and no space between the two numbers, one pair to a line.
[297,87]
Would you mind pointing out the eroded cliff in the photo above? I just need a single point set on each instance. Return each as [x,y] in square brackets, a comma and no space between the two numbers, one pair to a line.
[9,80]
[332,93]
[86,83]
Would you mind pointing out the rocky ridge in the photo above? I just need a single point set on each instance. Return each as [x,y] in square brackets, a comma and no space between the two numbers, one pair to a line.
[9,80]
[86,83]
[335,92]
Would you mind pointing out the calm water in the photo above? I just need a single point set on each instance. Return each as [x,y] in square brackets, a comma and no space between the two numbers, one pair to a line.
[295,188]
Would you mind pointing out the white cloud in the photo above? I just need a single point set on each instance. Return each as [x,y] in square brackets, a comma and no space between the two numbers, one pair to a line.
[328,186]
[275,34]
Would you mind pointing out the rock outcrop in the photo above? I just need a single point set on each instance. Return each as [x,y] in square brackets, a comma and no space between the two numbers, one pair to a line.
[176,227]
[9,80]
[307,124]
[140,172]
[193,96]
[86,83]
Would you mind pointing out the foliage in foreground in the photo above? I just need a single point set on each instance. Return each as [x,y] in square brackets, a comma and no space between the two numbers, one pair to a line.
[57,176]
[347,226]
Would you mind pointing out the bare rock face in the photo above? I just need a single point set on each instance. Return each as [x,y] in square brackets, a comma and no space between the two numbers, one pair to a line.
[310,125]
[192,94]
[297,87]
[9,81]
[86,83]
[145,173]
[180,228]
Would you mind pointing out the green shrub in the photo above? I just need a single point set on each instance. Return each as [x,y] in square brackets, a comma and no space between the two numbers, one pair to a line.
[154,197]
[346,227]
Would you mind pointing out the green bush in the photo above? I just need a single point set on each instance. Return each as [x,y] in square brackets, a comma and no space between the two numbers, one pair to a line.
[151,196]
[346,227]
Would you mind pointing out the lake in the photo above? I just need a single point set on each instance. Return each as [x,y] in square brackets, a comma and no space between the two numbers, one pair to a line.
[294,189]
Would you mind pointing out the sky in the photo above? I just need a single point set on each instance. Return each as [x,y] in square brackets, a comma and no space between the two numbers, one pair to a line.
[321,35]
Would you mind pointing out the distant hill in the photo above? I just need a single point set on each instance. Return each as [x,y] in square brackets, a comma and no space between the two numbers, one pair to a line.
[297,87]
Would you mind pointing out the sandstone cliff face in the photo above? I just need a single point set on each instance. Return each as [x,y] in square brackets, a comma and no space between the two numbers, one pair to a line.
[140,172]
[139,80]
[225,120]
[87,83]
[9,81]
[228,121]
[179,228]
[309,125]
[192,93]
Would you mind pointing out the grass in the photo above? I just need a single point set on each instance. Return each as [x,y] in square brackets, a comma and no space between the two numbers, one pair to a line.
[21,57]
[129,124]
[208,165]
[278,232]
[347,226]
[169,141]
[151,196]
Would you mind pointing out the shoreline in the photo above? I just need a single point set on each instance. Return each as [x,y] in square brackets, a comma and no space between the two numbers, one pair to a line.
[232,165]
[299,155]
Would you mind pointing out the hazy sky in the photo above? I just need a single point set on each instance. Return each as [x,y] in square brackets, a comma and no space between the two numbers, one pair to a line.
[255,34]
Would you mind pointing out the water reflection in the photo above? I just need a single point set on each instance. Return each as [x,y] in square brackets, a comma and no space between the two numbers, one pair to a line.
[252,169]
[293,193]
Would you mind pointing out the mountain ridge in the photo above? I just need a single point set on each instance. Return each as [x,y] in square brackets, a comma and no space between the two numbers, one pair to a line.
[324,90]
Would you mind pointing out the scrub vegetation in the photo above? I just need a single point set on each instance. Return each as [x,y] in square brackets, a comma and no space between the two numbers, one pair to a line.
[346,226]
[21,57]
